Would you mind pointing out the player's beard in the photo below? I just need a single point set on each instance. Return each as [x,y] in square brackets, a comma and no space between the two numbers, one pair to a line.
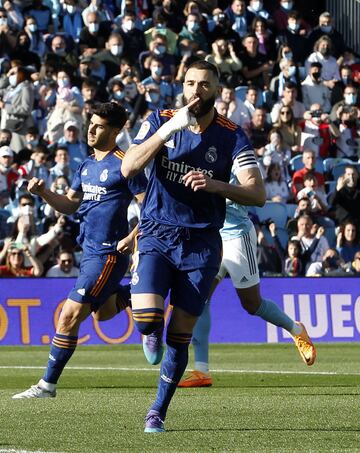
[202,107]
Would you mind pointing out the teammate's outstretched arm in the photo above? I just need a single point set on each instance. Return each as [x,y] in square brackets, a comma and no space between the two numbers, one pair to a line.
[250,192]
[138,156]
[66,204]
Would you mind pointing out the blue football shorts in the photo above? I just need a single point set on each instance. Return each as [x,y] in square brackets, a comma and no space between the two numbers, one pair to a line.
[99,278]
[178,265]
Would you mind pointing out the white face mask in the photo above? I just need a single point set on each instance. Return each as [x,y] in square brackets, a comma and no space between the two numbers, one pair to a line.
[63,83]
[152,97]
[257,6]
[193,26]
[70,9]
[13,80]
[32,28]
[287,5]
[3,21]
[157,71]
[129,25]
[93,27]
[116,50]
[292,70]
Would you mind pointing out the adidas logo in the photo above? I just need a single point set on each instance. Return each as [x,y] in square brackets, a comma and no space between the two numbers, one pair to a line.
[51,357]
[244,279]
[84,173]
[167,379]
[81,291]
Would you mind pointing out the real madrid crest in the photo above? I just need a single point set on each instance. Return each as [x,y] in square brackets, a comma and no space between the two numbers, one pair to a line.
[104,175]
[211,155]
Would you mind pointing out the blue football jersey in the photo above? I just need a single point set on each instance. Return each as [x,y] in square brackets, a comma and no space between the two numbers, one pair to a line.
[222,147]
[106,197]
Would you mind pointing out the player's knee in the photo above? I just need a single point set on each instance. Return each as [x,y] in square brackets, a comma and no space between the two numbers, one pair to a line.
[251,306]
[147,320]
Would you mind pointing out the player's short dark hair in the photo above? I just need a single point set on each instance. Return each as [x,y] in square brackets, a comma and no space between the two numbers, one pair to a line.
[205,66]
[114,113]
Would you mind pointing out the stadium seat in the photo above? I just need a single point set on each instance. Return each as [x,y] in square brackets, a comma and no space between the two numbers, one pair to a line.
[240,93]
[330,186]
[302,73]
[331,162]
[339,169]
[275,211]
[282,235]
[296,164]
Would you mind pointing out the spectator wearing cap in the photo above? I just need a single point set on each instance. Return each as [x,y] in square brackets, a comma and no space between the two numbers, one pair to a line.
[289,99]
[323,51]
[314,90]
[326,28]
[111,55]
[240,18]
[133,38]
[37,43]
[7,34]
[160,27]
[77,148]
[94,34]
[72,19]
[309,161]
[8,176]
[65,266]
[192,31]
[61,167]
[158,93]
[295,36]
[345,200]
[16,106]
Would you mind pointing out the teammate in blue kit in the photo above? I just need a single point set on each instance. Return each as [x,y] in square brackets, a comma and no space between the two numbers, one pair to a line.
[192,152]
[239,260]
[102,195]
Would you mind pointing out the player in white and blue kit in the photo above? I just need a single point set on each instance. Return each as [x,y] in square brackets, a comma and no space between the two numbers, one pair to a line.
[239,241]
[179,251]
[101,195]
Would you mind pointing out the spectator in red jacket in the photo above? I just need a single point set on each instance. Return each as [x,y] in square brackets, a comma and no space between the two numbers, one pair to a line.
[309,161]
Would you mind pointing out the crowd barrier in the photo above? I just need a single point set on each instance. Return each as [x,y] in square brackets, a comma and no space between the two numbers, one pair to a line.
[329,307]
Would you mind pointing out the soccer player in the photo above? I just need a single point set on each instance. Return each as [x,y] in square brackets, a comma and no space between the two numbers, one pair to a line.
[239,260]
[192,152]
[102,195]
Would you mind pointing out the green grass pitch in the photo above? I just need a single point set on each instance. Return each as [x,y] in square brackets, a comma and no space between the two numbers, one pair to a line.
[263,399]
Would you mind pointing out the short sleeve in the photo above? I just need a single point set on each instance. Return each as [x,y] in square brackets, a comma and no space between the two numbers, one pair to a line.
[243,153]
[76,182]
[148,128]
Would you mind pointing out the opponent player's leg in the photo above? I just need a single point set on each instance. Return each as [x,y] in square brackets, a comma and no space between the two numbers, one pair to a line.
[62,348]
[243,270]
[199,376]
[150,283]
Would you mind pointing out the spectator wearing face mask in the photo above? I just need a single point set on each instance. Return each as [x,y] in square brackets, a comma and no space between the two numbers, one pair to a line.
[314,90]
[8,176]
[7,35]
[133,38]
[288,73]
[337,93]
[16,106]
[94,35]
[192,31]
[295,36]
[37,43]
[326,28]
[347,137]
[256,7]
[323,54]
[281,15]
[158,48]
[33,138]
[158,93]
[112,54]
[160,27]
[42,14]
[345,200]
[72,19]
[350,98]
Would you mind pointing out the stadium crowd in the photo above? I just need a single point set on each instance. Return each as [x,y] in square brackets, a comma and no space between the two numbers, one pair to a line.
[292,85]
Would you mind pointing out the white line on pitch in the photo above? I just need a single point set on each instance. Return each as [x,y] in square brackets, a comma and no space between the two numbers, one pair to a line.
[12,450]
[90,368]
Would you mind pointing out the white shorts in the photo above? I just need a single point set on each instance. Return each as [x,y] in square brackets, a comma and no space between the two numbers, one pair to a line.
[239,260]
